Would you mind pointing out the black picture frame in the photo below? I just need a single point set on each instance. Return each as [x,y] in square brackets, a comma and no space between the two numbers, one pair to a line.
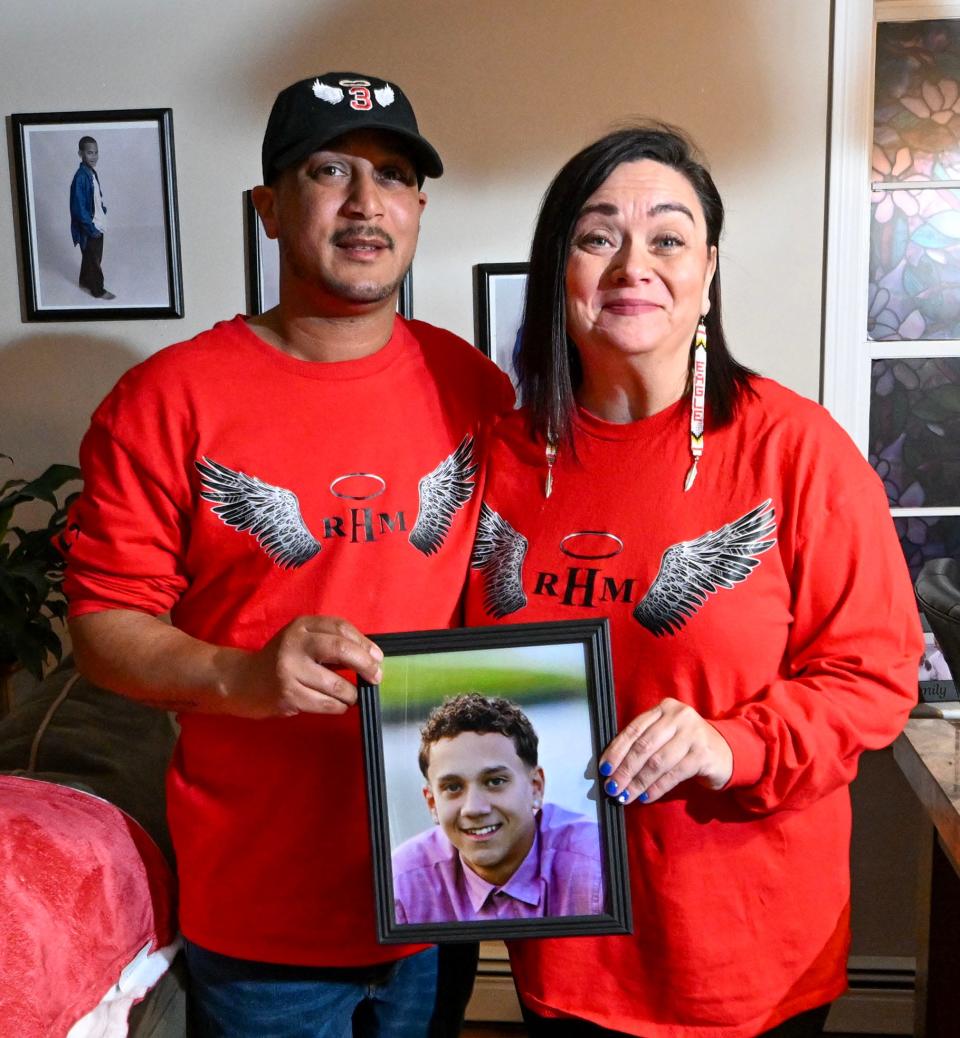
[136,172]
[263,267]
[262,261]
[560,675]
[936,680]
[499,291]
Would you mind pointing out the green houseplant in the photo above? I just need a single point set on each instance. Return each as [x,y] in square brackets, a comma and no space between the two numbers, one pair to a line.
[31,572]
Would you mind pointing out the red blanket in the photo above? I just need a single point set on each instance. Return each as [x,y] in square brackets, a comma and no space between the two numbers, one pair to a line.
[82,890]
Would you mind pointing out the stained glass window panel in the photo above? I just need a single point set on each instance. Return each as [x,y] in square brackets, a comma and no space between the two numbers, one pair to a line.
[914,290]
[928,537]
[917,101]
[915,430]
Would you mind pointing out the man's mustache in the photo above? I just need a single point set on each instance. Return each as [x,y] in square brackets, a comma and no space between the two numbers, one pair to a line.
[353,233]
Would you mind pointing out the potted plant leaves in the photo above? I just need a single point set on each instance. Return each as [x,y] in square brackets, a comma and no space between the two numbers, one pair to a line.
[31,572]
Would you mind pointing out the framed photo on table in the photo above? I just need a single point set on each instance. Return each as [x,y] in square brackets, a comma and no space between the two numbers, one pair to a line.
[499,291]
[97,206]
[936,681]
[486,813]
[263,267]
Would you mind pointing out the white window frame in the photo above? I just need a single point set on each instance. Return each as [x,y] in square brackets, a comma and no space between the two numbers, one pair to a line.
[847,352]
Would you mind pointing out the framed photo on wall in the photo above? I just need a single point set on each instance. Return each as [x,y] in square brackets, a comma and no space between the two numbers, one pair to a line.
[263,261]
[499,291]
[486,814]
[97,204]
[263,267]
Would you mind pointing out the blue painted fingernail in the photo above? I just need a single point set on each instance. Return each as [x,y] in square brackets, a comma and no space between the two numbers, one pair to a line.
[610,787]
[624,797]
[643,798]
[606,768]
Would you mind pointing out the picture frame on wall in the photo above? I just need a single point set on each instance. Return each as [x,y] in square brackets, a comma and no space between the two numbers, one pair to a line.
[499,292]
[263,267]
[494,833]
[97,208]
[263,261]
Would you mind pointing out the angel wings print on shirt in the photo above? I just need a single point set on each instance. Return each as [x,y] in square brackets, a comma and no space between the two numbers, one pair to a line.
[499,552]
[441,493]
[269,513]
[690,571]
[693,570]
[272,514]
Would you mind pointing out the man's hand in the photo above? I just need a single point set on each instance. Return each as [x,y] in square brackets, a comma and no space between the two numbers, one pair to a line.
[293,673]
[146,659]
[661,748]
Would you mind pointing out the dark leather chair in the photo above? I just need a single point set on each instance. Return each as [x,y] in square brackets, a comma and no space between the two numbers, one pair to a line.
[938,592]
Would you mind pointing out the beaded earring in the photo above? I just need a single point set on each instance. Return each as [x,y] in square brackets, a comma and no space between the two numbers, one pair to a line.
[699,398]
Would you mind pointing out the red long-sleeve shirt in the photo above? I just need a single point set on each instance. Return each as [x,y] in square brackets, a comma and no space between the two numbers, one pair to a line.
[773,597]
[240,488]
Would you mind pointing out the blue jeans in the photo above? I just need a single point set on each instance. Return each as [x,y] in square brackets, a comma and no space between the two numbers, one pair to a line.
[235,998]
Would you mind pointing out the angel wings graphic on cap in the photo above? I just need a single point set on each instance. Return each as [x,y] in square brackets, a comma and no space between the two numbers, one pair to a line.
[272,514]
[693,570]
[324,92]
[334,95]
[499,551]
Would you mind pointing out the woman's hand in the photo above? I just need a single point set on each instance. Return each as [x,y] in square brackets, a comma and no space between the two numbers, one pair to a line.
[661,748]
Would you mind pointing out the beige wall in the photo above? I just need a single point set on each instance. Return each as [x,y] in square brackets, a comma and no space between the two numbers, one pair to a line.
[506,89]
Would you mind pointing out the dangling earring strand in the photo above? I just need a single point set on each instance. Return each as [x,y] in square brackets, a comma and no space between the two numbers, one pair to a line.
[551,453]
[698,402]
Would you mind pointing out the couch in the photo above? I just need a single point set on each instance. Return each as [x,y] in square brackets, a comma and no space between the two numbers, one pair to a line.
[88,944]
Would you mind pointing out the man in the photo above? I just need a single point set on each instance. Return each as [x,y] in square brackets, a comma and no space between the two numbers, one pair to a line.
[499,851]
[319,459]
[88,219]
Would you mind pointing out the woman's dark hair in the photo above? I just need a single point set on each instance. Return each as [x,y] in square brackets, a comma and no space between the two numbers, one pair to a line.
[547,361]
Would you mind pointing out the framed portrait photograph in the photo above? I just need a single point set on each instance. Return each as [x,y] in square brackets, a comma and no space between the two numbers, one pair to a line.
[97,205]
[263,267]
[486,812]
[499,290]
[936,681]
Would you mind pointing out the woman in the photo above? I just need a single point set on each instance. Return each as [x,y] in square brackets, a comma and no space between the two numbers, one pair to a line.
[763,625]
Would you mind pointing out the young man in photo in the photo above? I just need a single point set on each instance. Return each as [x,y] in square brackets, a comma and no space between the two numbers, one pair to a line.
[258,483]
[88,219]
[498,850]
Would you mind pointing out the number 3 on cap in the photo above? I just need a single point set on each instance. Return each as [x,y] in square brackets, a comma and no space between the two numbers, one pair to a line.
[360,98]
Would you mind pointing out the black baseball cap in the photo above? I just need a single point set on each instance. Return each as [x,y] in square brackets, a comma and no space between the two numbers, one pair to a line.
[314,111]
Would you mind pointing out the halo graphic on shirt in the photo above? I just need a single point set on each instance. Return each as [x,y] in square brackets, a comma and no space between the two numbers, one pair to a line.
[381,485]
[272,514]
[691,571]
[592,556]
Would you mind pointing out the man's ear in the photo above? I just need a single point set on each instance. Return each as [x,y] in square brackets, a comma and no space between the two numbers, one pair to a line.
[265,201]
[431,803]
[423,201]
[537,785]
